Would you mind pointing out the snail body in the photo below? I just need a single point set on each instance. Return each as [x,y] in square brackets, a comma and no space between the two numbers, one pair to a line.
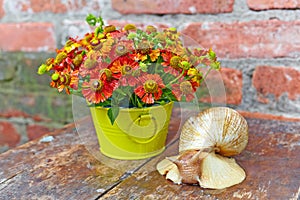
[206,143]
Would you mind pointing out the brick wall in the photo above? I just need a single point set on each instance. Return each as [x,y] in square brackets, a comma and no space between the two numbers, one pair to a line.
[258,43]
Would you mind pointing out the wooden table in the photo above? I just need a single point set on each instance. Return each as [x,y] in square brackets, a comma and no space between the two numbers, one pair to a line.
[66,167]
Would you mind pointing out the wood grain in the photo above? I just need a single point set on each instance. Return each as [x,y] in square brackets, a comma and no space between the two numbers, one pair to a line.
[70,168]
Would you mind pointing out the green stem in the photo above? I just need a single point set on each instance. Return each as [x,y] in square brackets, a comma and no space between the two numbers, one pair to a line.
[157,65]
[176,79]
[206,74]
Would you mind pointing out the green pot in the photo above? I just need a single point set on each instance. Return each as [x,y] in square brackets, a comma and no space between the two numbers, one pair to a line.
[137,133]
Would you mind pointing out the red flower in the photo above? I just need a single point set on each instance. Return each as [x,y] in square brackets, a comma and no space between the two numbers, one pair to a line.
[126,70]
[121,48]
[166,55]
[150,88]
[185,88]
[168,63]
[98,90]
[64,80]
[74,80]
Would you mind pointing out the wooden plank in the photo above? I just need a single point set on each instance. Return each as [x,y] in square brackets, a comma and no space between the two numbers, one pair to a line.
[271,161]
[69,168]
[66,167]
[59,169]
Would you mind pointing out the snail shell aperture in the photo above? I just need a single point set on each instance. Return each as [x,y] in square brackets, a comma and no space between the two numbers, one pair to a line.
[206,142]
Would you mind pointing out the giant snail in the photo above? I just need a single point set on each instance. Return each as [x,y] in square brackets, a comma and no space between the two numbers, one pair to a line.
[207,142]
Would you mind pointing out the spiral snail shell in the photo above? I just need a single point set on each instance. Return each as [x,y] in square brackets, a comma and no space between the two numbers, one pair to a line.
[206,142]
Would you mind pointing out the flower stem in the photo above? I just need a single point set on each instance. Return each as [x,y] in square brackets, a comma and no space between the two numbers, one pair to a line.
[206,74]
[176,79]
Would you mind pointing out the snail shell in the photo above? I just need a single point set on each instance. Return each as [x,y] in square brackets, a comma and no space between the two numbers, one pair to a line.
[205,142]
[220,128]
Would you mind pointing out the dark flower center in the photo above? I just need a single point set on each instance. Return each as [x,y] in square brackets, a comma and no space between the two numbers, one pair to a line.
[107,73]
[126,69]
[151,86]
[121,50]
[186,87]
[97,85]
[174,62]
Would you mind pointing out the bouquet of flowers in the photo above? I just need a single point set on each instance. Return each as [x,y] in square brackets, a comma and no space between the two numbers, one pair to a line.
[129,67]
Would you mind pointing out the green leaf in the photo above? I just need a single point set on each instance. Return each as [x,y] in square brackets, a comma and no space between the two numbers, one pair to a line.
[216,65]
[143,67]
[131,36]
[91,19]
[107,60]
[113,113]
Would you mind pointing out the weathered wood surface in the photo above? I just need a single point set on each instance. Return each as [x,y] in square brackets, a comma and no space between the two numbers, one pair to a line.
[58,169]
[64,168]
[271,161]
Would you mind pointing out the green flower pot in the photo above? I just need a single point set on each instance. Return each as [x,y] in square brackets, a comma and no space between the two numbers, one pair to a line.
[137,133]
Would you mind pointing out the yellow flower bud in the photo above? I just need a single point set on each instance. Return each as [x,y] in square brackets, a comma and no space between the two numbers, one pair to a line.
[173,30]
[151,29]
[128,27]
[42,69]
[100,36]
[174,62]
[90,64]
[55,77]
[185,65]
[60,57]
[77,60]
[110,28]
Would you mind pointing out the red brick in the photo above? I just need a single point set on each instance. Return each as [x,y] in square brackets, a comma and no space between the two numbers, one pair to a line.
[30,37]
[8,134]
[10,113]
[273,4]
[2,12]
[39,118]
[172,6]
[258,39]
[276,81]
[35,131]
[57,6]
[232,84]
[233,81]
[13,113]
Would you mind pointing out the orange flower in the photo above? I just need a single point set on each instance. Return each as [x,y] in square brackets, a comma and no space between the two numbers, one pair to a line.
[150,88]
[168,63]
[98,90]
[139,57]
[123,47]
[126,61]
[125,69]
[185,89]
[195,76]
[74,80]
[154,54]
